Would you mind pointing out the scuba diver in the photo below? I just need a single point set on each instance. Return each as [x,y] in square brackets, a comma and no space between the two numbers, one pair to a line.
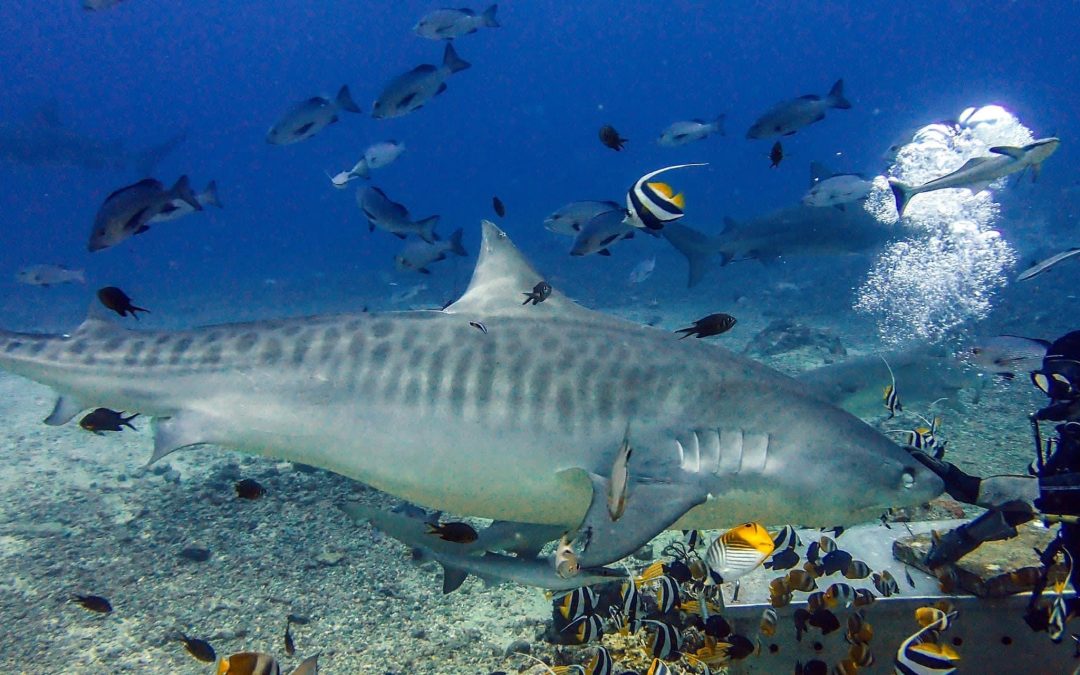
[1052,492]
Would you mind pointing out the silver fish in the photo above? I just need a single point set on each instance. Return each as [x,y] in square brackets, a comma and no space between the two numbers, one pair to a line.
[786,118]
[602,232]
[411,90]
[642,271]
[1007,355]
[834,189]
[128,211]
[307,118]
[501,425]
[447,24]
[681,133]
[417,255]
[978,172]
[1044,265]
[178,208]
[570,218]
[49,275]
[379,155]
[388,215]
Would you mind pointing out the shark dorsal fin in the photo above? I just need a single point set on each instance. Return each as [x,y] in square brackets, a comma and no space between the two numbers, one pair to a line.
[501,280]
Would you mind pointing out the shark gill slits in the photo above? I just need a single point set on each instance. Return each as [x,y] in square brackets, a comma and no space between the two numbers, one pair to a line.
[271,352]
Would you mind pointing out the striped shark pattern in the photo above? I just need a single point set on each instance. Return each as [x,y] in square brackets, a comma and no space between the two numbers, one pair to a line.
[521,422]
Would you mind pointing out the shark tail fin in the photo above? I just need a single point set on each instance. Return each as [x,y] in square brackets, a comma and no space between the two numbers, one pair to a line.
[345,100]
[489,17]
[453,62]
[455,244]
[146,162]
[697,247]
[902,192]
[836,96]
[209,196]
[427,229]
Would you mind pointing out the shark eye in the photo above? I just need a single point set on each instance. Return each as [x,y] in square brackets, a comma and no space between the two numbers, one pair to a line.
[908,478]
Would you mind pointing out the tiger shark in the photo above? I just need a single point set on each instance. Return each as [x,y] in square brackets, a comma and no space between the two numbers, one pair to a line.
[496,409]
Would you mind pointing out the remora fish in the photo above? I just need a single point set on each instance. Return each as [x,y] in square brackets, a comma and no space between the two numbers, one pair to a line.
[1043,265]
[978,172]
[786,118]
[513,428]
[492,567]
[44,140]
[796,230]
[410,91]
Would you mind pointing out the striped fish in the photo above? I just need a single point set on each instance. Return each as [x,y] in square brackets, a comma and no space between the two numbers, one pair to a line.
[838,594]
[658,667]
[926,658]
[667,594]
[1059,613]
[586,628]
[786,538]
[891,398]
[631,604]
[576,603]
[651,205]
[248,663]
[601,663]
[885,583]
[666,642]
[769,620]
[736,552]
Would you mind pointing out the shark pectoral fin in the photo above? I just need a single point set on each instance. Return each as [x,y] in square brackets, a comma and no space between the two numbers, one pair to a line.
[452,577]
[1011,151]
[651,507]
[179,431]
[64,411]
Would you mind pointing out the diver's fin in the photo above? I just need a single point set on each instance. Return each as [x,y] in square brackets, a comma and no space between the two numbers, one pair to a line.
[65,410]
[651,507]
[501,275]
[182,430]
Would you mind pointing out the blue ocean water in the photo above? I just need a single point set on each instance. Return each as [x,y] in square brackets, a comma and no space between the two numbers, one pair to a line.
[520,124]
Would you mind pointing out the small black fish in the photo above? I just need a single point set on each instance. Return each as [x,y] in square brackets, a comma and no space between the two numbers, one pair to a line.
[836,530]
[200,649]
[717,627]
[678,570]
[714,324]
[836,561]
[539,293]
[103,419]
[784,560]
[801,617]
[94,603]
[610,138]
[825,620]
[119,302]
[500,209]
[815,667]
[459,533]
[776,155]
[290,646]
[249,489]
[740,648]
